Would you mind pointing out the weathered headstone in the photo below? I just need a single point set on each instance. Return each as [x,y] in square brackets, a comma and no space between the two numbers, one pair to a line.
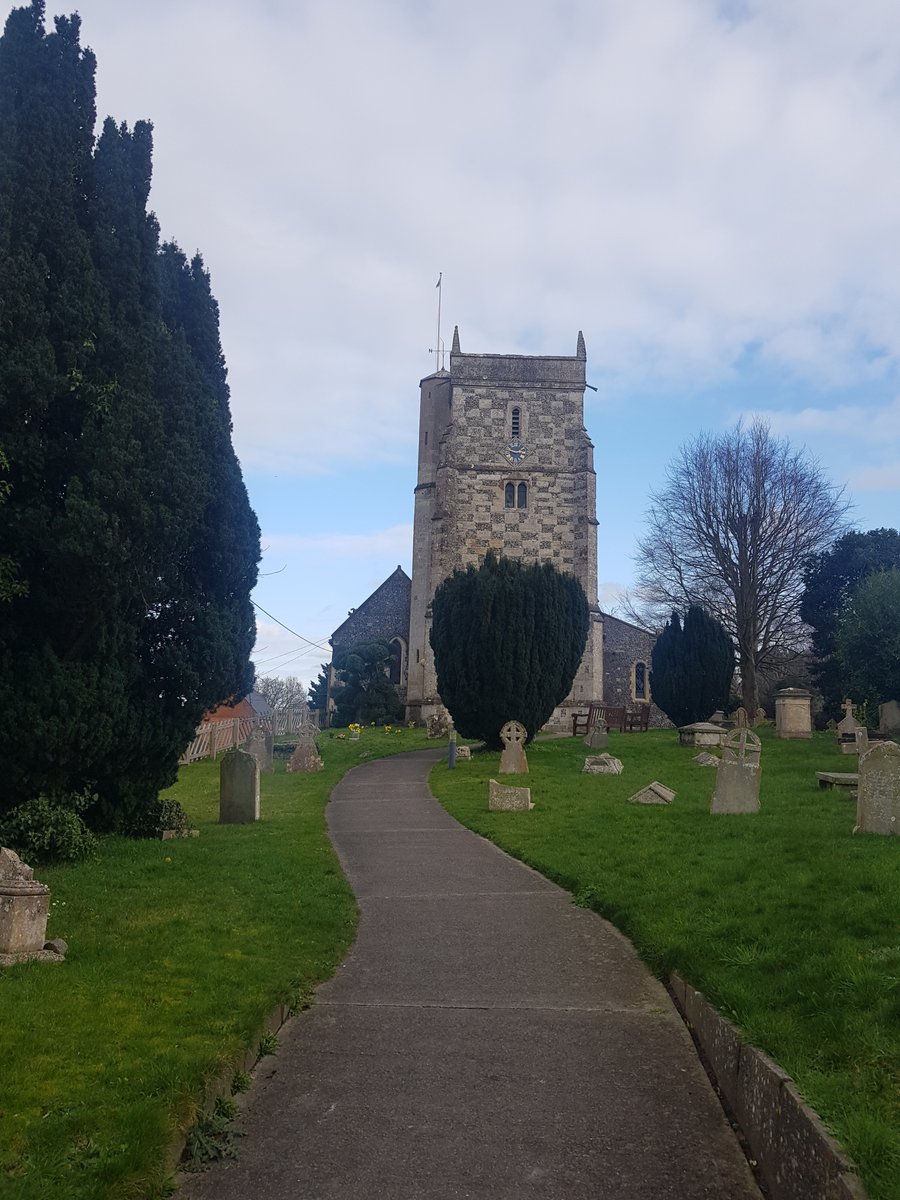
[306,757]
[508,799]
[861,738]
[737,779]
[238,788]
[597,736]
[512,758]
[740,718]
[463,753]
[261,745]
[602,764]
[760,717]
[653,793]
[793,713]
[889,717]
[24,908]
[701,733]
[878,798]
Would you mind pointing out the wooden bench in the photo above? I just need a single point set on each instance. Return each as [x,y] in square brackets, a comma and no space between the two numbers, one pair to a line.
[612,717]
[638,722]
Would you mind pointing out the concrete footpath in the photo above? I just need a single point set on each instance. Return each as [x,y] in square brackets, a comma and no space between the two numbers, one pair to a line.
[483,1038]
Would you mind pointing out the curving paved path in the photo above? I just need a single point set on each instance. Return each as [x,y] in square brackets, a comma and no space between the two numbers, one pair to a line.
[483,1038]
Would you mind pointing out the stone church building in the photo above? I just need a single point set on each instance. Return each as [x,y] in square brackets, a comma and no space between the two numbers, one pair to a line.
[505,464]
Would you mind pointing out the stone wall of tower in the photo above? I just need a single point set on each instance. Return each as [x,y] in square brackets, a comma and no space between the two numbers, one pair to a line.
[461,506]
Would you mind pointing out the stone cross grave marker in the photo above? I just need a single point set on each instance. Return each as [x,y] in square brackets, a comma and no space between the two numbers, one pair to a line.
[889,717]
[508,799]
[261,745]
[737,777]
[848,724]
[24,908]
[238,788]
[597,736]
[878,798]
[306,757]
[512,759]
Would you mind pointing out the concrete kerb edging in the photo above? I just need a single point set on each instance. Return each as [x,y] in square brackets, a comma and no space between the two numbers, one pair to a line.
[219,1086]
[796,1155]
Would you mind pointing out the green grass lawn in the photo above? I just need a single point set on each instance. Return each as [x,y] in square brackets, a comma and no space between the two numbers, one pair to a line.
[178,951]
[784,919]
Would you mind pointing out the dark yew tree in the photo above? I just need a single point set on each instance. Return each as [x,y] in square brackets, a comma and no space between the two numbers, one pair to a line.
[318,690]
[367,693]
[127,520]
[692,667]
[867,641]
[831,578]
[508,638]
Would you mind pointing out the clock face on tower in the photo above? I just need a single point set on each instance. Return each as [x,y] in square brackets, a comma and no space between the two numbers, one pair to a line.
[515,452]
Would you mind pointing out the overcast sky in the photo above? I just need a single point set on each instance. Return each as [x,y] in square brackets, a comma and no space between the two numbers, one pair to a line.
[711,191]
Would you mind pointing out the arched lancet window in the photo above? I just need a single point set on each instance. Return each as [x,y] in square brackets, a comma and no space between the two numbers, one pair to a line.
[516,424]
[395,663]
[523,495]
[510,495]
[640,681]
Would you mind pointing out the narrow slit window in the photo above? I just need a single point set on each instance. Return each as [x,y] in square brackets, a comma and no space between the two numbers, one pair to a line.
[510,495]
[523,495]
[516,424]
[640,681]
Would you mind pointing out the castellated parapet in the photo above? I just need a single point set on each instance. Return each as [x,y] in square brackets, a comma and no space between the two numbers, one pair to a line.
[505,464]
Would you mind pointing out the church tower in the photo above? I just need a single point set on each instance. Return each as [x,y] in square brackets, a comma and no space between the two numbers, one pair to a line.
[505,464]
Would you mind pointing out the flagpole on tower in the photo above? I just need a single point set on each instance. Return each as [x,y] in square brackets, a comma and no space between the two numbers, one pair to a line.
[437,344]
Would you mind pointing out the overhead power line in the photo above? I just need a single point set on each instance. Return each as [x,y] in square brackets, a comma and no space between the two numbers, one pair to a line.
[318,645]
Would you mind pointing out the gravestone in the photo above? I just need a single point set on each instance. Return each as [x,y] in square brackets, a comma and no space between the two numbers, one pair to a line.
[261,744]
[238,788]
[848,725]
[740,718]
[793,713]
[861,738]
[306,757]
[760,717]
[463,753]
[705,759]
[512,759]
[24,908]
[508,799]
[889,717]
[701,733]
[878,797]
[597,736]
[602,764]
[737,779]
[653,793]
[718,718]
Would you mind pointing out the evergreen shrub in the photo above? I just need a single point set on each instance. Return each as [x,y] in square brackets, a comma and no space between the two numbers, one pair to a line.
[508,638]
[692,667]
[45,830]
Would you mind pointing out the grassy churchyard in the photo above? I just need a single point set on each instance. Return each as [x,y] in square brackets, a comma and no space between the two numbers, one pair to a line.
[784,919]
[178,951]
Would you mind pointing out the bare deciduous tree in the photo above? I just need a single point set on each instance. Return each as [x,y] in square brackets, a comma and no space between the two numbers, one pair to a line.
[731,529]
[281,693]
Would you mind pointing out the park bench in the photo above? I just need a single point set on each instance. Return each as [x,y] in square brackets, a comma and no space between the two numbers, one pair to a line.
[638,721]
[612,717]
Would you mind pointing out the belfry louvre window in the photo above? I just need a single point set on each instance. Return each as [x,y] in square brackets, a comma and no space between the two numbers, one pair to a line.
[515,424]
[522,495]
[510,495]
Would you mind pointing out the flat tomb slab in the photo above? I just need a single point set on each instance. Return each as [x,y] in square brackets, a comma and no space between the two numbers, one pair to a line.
[837,779]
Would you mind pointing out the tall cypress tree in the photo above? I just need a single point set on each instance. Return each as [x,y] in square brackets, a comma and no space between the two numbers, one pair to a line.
[692,667]
[128,519]
[508,639]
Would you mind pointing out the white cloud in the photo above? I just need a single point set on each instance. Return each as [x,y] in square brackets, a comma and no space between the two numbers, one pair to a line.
[878,479]
[679,179]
